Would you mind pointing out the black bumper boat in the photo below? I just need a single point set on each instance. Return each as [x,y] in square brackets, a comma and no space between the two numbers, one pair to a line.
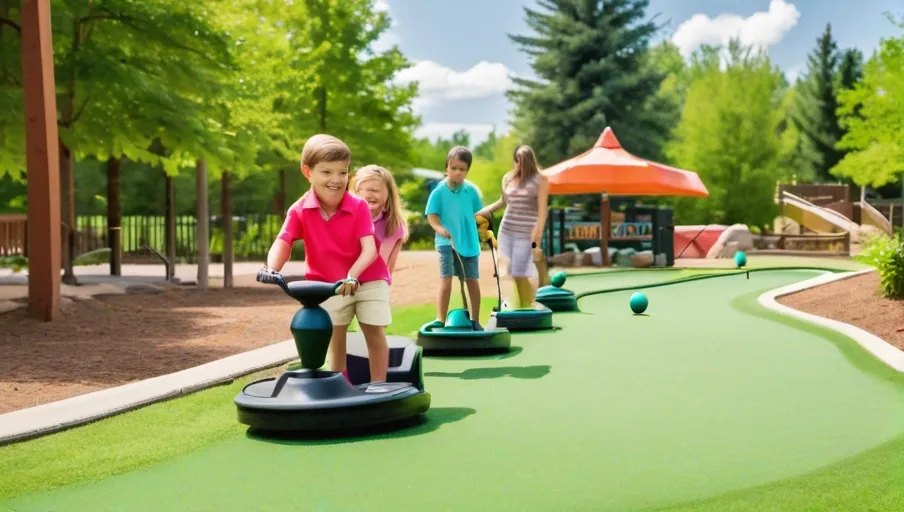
[311,400]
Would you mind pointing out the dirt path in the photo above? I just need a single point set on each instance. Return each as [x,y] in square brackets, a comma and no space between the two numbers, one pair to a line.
[855,301]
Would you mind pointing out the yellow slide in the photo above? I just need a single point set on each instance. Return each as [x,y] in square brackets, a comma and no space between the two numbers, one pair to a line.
[815,218]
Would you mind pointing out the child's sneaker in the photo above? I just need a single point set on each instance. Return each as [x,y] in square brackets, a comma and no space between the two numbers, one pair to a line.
[436,324]
[476,325]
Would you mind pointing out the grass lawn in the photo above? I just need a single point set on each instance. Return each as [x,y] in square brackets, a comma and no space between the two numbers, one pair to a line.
[870,480]
[181,426]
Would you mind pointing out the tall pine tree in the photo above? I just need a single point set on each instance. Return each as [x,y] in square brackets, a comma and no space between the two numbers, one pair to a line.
[850,69]
[815,113]
[590,57]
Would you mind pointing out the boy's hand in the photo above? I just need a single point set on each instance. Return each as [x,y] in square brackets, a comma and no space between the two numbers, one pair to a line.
[441,231]
[348,287]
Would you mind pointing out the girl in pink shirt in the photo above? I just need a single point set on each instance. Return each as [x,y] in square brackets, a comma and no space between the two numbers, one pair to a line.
[376,185]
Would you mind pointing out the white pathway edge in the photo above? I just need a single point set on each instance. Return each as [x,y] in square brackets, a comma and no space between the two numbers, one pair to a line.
[884,351]
[71,412]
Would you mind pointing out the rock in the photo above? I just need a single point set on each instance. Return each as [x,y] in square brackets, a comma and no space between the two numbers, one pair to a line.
[643,259]
[736,237]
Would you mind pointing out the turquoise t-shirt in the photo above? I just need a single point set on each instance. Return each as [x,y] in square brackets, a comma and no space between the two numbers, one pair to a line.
[456,209]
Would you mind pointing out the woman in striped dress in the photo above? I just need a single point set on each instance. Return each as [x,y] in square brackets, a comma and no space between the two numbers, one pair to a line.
[525,195]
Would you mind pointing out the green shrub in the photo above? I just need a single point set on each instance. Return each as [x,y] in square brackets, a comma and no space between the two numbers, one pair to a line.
[887,256]
[16,263]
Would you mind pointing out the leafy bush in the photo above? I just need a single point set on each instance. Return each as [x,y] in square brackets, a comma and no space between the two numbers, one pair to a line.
[16,263]
[887,256]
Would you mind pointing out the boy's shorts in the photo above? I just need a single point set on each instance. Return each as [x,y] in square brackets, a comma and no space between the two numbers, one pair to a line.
[450,265]
[370,304]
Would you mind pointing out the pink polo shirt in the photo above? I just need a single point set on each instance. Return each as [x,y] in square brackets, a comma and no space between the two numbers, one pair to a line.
[386,243]
[332,246]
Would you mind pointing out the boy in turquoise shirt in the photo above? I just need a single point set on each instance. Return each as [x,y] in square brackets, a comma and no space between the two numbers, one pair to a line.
[451,210]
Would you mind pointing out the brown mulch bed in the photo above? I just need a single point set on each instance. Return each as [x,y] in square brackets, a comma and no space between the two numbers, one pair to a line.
[107,341]
[856,301]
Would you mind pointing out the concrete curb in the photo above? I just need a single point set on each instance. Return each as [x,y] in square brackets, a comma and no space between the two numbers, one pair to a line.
[79,410]
[875,345]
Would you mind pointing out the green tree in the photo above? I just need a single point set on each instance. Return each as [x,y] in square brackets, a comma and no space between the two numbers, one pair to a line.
[850,69]
[873,116]
[488,172]
[122,69]
[815,111]
[355,97]
[728,135]
[796,154]
[486,148]
[592,69]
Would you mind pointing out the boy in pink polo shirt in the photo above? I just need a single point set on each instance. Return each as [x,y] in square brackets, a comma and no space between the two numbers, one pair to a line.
[338,235]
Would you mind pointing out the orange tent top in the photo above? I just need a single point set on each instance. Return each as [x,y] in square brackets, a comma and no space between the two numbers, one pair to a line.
[608,168]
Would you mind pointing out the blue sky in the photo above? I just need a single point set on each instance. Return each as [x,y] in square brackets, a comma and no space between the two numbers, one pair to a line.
[463,57]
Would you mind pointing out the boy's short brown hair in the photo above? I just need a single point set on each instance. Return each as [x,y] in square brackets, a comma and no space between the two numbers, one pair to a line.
[324,148]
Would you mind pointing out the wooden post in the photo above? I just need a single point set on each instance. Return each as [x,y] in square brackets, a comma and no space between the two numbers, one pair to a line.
[202,234]
[43,161]
[226,207]
[605,228]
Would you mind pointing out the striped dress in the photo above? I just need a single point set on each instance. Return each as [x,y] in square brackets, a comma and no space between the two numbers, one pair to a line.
[521,210]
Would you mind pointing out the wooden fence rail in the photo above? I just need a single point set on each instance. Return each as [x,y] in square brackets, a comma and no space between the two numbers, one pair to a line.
[12,235]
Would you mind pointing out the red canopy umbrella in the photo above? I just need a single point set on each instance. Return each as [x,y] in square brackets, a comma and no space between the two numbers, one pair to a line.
[608,168]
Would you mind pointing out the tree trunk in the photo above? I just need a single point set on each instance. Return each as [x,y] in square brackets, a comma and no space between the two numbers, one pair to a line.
[114,215]
[202,235]
[67,165]
[67,212]
[281,196]
[170,223]
[226,206]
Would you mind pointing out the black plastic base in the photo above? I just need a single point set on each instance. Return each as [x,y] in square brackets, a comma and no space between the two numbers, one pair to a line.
[560,304]
[317,401]
[406,361]
[443,341]
[524,319]
[337,421]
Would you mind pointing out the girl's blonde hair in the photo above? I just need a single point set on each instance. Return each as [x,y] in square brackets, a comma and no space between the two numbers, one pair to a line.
[395,219]
[526,166]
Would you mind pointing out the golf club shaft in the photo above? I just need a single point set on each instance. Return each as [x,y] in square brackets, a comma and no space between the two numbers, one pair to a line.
[496,274]
[461,279]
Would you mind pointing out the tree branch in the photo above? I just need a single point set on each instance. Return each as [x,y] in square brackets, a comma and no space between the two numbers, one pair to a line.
[81,109]
[135,25]
[11,23]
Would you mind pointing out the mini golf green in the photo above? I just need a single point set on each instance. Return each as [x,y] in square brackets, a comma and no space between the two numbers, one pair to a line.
[707,394]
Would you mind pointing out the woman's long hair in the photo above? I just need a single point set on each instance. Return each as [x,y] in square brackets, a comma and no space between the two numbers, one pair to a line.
[526,167]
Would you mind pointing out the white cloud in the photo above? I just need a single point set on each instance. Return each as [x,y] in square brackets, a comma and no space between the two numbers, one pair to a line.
[793,73]
[760,29]
[439,83]
[389,38]
[478,132]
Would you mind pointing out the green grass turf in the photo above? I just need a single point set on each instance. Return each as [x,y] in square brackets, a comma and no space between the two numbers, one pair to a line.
[634,414]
